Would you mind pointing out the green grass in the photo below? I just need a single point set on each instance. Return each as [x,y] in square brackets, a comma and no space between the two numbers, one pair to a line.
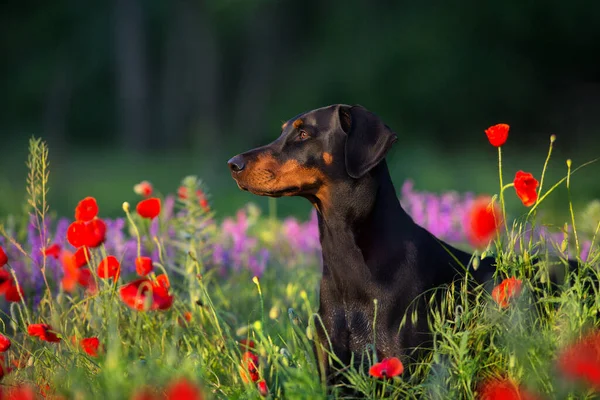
[475,340]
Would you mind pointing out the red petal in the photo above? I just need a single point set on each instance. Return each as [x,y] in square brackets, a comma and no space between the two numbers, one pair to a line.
[4,343]
[483,221]
[377,370]
[163,280]
[86,210]
[143,265]
[3,257]
[43,331]
[52,251]
[109,268]
[12,293]
[5,280]
[262,388]
[526,188]
[149,208]
[95,233]
[506,290]
[90,346]
[76,234]
[394,366]
[497,134]
[143,188]
[182,389]
[581,360]
[247,344]
[82,256]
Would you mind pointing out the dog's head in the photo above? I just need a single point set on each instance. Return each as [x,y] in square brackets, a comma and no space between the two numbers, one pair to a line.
[315,150]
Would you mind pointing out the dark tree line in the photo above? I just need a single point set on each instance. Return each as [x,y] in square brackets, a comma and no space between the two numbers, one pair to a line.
[223,74]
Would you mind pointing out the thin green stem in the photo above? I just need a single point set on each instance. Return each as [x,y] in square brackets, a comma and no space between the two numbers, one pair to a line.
[135,228]
[578,249]
[557,184]
[552,139]
[501,188]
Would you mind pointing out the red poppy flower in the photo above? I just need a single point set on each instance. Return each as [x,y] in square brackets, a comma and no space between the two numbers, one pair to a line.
[3,257]
[182,389]
[20,392]
[507,290]
[503,389]
[262,388]
[13,293]
[144,188]
[149,208]
[246,344]
[5,280]
[86,210]
[82,256]
[76,234]
[497,134]
[163,281]
[526,188]
[581,360]
[109,268]
[52,251]
[143,294]
[249,370]
[4,343]
[90,346]
[143,266]
[483,220]
[387,368]
[43,331]
[95,233]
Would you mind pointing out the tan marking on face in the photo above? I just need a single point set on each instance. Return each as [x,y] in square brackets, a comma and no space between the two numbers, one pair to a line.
[284,125]
[327,158]
[298,123]
[266,175]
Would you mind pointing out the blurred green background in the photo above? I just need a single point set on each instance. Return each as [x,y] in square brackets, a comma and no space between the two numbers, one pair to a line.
[127,90]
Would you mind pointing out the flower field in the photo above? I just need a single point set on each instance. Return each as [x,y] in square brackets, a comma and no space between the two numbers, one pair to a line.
[169,302]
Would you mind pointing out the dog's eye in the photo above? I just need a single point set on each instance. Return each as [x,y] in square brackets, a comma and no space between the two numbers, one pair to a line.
[303,135]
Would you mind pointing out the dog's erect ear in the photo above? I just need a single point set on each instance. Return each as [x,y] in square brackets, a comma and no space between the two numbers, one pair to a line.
[368,139]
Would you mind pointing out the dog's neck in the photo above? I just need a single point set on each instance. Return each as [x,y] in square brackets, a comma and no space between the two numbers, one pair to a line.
[364,220]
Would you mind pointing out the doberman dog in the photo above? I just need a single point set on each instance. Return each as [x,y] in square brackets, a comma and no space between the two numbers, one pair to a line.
[335,157]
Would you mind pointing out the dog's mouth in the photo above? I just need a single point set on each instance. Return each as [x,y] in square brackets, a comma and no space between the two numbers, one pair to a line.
[288,191]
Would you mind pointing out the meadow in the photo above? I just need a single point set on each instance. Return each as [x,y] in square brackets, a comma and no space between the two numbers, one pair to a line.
[166,301]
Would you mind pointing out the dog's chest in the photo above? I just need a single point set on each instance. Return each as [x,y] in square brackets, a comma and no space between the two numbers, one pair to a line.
[359,322]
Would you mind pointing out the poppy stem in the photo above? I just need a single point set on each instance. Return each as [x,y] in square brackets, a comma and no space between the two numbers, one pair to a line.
[502,188]
[552,139]
[137,232]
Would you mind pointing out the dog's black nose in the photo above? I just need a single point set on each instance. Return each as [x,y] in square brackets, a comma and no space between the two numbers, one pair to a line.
[236,164]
